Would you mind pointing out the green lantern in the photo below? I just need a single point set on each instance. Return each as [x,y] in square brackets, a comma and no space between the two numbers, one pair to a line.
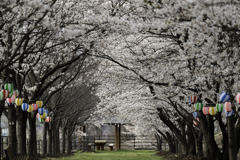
[219,107]
[198,106]
[8,87]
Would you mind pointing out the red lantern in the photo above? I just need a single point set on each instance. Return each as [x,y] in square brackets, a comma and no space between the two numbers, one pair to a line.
[5,93]
[48,119]
[193,99]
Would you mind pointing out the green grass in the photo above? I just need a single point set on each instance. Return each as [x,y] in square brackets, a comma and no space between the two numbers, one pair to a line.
[122,154]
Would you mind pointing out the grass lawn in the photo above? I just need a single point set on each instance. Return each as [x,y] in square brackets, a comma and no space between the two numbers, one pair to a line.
[122,154]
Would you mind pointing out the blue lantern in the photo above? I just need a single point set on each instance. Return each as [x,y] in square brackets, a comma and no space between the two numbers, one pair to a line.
[24,107]
[40,111]
[195,114]
[224,97]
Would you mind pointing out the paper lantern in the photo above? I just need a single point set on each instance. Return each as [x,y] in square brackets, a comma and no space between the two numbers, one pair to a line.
[229,114]
[18,101]
[48,119]
[212,111]
[40,104]
[205,110]
[10,101]
[10,94]
[224,97]
[24,107]
[193,99]
[1,95]
[198,106]
[238,98]
[16,93]
[44,115]
[40,120]
[35,106]
[8,87]
[37,115]
[219,107]
[5,94]
[228,106]
[41,111]
[196,122]
[30,108]
[195,114]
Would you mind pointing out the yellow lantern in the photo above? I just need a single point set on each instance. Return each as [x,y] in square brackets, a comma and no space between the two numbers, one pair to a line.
[212,111]
[30,108]
[40,104]
[43,116]
[18,101]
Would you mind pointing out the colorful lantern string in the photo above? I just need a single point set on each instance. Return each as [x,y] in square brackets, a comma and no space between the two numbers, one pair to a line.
[229,114]
[48,119]
[219,107]
[10,101]
[196,122]
[198,106]
[195,114]
[30,108]
[16,93]
[205,110]
[238,98]
[10,94]
[212,111]
[41,111]
[224,97]
[8,87]
[24,106]
[35,106]
[193,99]
[228,106]
[18,101]
[5,94]
[40,104]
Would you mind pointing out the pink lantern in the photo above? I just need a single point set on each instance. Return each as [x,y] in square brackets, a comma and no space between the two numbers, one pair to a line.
[48,119]
[37,115]
[228,106]
[196,122]
[238,98]
[35,107]
[205,110]
[11,100]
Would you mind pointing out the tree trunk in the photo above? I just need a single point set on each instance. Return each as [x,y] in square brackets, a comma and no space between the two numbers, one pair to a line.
[21,125]
[170,143]
[174,129]
[63,140]
[68,141]
[183,132]
[12,128]
[231,138]
[214,150]
[53,138]
[32,133]
[1,110]
[49,140]
[44,147]
[199,145]
[191,142]
[203,126]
